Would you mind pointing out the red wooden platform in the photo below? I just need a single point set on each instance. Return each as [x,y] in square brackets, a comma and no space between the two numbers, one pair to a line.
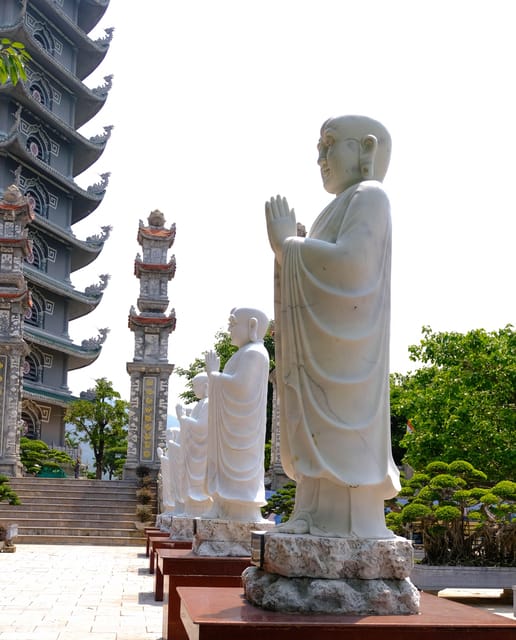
[212,614]
[180,567]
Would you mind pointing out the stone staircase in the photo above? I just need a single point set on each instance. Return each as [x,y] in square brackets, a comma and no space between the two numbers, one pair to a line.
[70,511]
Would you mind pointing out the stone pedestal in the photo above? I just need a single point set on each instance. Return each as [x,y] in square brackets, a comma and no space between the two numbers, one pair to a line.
[304,573]
[222,538]
[181,528]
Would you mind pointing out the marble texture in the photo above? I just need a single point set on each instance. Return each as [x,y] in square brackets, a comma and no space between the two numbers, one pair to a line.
[222,538]
[194,443]
[181,528]
[349,597]
[334,558]
[237,421]
[332,319]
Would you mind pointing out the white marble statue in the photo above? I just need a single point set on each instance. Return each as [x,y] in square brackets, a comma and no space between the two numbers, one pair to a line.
[194,441]
[167,496]
[332,339]
[176,461]
[237,419]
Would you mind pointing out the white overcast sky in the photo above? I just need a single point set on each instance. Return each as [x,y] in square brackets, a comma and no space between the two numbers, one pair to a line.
[216,106]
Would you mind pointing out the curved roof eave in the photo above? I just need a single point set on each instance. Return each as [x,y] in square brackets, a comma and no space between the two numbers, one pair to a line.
[84,251]
[79,302]
[86,151]
[89,101]
[90,13]
[78,356]
[84,201]
[43,394]
[90,52]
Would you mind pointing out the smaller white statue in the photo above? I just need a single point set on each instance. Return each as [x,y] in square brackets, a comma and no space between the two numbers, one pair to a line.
[176,461]
[194,442]
[237,420]
[167,496]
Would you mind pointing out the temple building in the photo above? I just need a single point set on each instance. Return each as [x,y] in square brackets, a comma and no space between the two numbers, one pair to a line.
[42,153]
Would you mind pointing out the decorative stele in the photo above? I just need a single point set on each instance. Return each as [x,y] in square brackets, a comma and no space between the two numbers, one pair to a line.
[332,317]
[150,370]
[15,215]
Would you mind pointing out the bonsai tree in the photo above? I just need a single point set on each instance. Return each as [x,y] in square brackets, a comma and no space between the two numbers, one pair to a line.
[462,520]
[36,455]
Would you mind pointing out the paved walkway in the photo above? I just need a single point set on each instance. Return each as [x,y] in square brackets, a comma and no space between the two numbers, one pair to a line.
[72,592]
[64,592]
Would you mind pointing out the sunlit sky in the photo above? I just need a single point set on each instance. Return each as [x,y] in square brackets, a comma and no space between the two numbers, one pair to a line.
[217,106]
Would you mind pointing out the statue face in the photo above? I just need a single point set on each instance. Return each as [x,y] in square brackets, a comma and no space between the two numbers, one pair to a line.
[238,328]
[339,157]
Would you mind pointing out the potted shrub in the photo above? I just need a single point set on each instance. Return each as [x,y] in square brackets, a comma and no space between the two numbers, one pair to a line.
[145,496]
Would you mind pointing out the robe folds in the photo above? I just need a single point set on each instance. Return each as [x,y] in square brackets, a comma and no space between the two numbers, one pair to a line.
[333,320]
[194,440]
[237,421]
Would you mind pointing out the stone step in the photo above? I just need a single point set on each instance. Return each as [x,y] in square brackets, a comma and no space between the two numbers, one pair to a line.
[61,521]
[71,511]
[49,512]
[129,541]
[74,530]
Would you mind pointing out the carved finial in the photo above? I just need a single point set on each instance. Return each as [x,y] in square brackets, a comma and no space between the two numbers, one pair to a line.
[156,219]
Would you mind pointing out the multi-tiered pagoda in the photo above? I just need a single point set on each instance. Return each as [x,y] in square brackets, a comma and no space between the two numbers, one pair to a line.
[42,153]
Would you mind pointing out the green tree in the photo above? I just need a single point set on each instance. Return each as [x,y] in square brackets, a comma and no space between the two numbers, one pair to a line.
[115,457]
[13,58]
[461,401]
[99,418]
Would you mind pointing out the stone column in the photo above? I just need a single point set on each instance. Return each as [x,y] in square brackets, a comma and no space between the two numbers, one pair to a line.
[15,215]
[150,370]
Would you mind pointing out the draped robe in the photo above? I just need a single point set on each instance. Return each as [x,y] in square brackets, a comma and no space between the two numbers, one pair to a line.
[237,420]
[333,320]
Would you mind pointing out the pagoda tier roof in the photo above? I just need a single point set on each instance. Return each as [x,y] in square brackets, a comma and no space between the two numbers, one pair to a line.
[78,355]
[90,13]
[80,303]
[152,320]
[89,101]
[156,233]
[85,151]
[84,251]
[83,201]
[31,391]
[90,53]
[168,269]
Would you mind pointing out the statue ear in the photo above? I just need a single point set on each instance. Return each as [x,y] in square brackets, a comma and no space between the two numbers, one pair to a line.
[368,148]
[253,329]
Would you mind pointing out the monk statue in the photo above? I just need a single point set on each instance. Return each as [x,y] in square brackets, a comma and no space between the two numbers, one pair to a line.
[194,441]
[332,315]
[237,419]
[167,497]
[175,455]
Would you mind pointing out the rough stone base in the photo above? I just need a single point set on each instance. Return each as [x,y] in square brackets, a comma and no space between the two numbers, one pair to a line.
[164,521]
[299,556]
[349,597]
[181,528]
[223,538]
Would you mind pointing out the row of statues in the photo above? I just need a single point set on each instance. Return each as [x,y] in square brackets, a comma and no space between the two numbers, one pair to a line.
[332,317]
[214,463]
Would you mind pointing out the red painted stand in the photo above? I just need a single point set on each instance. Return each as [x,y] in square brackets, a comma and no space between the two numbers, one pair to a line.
[180,567]
[211,614]
[156,543]
[154,532]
